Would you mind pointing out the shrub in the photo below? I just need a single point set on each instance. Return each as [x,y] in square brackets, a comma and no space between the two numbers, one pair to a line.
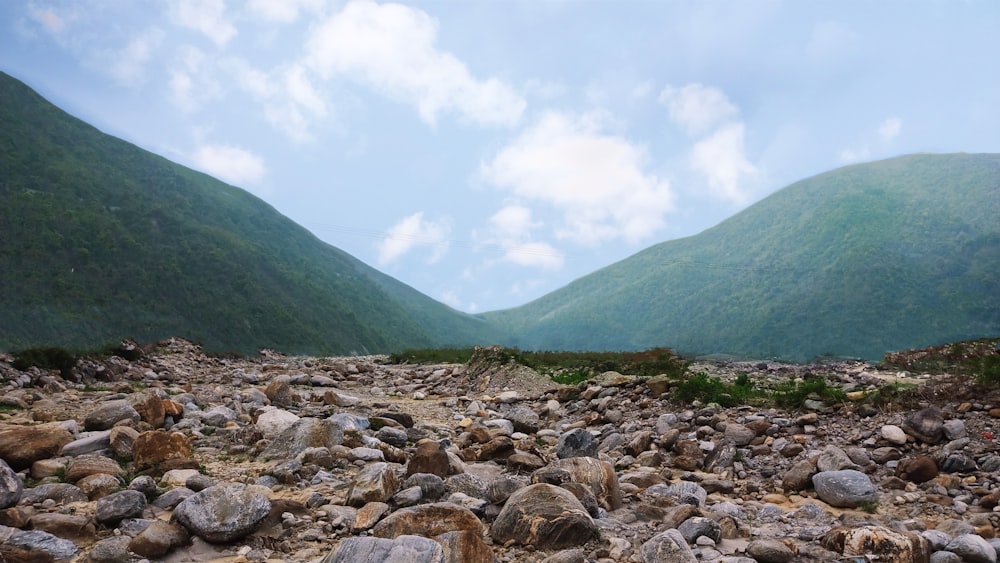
[46,358]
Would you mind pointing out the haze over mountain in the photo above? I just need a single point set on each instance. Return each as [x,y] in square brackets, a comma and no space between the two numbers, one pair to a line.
[888,255]
[103,240]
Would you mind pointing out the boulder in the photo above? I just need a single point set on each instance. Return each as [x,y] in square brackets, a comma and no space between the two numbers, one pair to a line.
[224,513]
[597,474]
[273,422]
[117,506]
[667,546]
[404,549]
[428,520]
[377,482]
[110,413]
[11,487]
[544,516]
[90,464]
[429,457]
[972,549]
[770,551]
[23,445]
[158,539]
[926,425]
[887,545]
[161,451]
[845,489]
[303,434]
[576,443]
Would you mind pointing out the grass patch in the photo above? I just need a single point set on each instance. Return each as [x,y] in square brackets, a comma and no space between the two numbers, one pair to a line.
[793,395]
[978,358]
[432,356]
[713,390]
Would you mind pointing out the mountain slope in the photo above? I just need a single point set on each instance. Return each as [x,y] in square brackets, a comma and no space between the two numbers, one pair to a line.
[101,240]
[889,255]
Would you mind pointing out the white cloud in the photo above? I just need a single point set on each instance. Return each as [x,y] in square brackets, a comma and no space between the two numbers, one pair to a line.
[697,108]
[207,17]
[128,65]
[411,232]
[391,48]
[890,128]
[283,11]
[193,80]
[229,163]
[720,157]
[53,22]
[513,226]
[595,179]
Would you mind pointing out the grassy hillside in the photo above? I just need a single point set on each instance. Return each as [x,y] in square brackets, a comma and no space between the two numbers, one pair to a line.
[103,240]
[901,253]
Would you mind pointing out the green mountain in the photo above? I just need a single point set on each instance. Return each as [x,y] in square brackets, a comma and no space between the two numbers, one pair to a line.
[101,240]
[890,255]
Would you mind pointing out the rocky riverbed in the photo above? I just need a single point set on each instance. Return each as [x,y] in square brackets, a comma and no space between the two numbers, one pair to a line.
[177,456]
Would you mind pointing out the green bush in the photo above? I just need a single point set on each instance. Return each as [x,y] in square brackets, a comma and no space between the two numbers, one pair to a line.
[46,358]
[793,394]
[713,390]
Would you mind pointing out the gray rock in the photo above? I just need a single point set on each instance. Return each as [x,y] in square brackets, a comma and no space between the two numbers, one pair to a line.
[687,492]
[567,556]
[108,414]
[90,443]
[667,546]
[926,425]
[694,528]
[61,493]
[303,434]
[170,499]
[834,459]
[945,557]
[349,422]
[392,436]
[936,539]
[845,489]
[431,486]
[954,429]
[110,550]
[739,434]
[403,549]
[44,542]
[11,487]
[224,513]
[118,506]
[893,434]
[523,419]
[770,551]
[972,548]
[576,443]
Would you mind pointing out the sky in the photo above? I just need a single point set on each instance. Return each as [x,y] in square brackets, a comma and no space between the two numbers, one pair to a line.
[487,152]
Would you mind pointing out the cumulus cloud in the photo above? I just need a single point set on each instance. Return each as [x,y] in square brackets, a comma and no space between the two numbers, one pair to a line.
[207,17]
[391,48]
[596,179]
[513,226]
[412,232]
[890,128]
[192,79]
[232,164]
[697,108]
[720,157]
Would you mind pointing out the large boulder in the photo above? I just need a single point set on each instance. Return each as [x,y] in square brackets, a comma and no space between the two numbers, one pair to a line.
[926,425]
[428,520]
[887,545]
[404,549]
[305,433]
[544,516]
[377,482]
[162,451]
[597,474]
[11,487]
[224,513]
[667,546]
[845,489]
[23,445]
[430,457]
[110,413]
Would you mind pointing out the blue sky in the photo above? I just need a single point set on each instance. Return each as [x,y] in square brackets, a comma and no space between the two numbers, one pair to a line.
[488,152]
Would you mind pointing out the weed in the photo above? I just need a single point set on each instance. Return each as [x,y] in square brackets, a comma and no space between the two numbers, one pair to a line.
[572,377]
[793,395]
[869,506]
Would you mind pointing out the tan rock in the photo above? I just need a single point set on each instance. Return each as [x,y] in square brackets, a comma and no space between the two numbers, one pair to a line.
[90,464]
[149,407]
[161,451]
[428,520]
[369,515]
[22,446]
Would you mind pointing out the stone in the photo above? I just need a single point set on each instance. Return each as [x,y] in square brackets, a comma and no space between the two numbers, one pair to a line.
[117,506]
[429,457]
[544,516]
[60,493]
[121,439]
[576,443]
[99,485]
[305,433]
[696,527]
[377,482]
[404,549]
[954,429]
[667,546]
[149,407]
[340,399]
[972,549]
[845,489]
[739,434]
[23,445]
[597,474]
[799,476]
[110,550]
[11,487]
[524,419]
[926,425]
[893,434]
[465,546]
[770,551]
[88,443]
[885,544]
[158,539]
[919,469]
[90,464]
[75,527]
[161,451]
[280,393]
[834,458]
[273,422]
[42,544]
[110,413]
[369,515]
[224,513]
[428,520]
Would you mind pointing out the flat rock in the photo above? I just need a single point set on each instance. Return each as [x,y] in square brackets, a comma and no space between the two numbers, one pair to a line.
[162,451]
[110,413]
[23,445]
[117,506]
[846,488]
[158,539]
[428,520]
[403,549]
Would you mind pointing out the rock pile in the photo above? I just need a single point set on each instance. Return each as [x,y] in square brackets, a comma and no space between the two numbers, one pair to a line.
[177,456]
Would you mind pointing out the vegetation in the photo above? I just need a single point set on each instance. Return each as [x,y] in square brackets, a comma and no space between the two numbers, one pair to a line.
[868,258]
[793,395]
[979,358]
[706,389]
[103,240]
[563,367]
[46,358]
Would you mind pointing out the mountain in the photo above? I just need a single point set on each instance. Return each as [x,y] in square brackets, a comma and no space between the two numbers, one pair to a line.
[890,255]
[101,240]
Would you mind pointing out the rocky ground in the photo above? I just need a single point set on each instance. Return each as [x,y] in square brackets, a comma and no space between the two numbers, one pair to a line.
[176,456]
